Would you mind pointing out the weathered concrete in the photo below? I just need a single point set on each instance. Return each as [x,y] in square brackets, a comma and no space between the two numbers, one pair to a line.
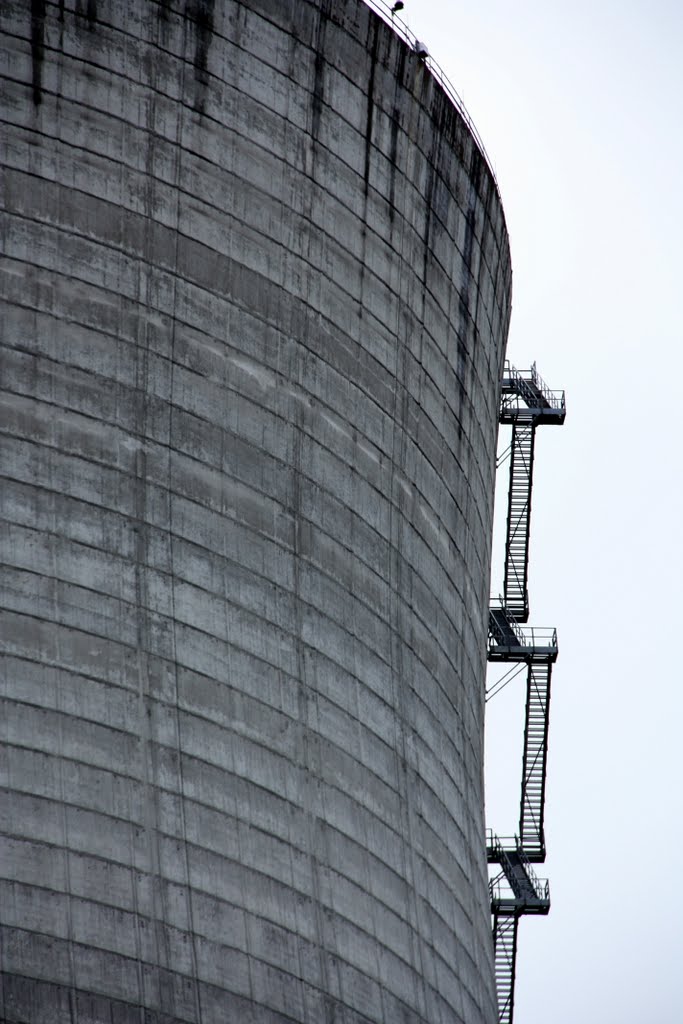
[252,336]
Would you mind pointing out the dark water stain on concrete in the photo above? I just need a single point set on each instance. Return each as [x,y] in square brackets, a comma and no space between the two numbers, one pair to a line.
[368,153]
[37,48]
[477,169]
[371,106]
[318,78]
[87,9]
[468,246]
[393,157]
[465,319]
[395,128]
[201,13]
[429,195]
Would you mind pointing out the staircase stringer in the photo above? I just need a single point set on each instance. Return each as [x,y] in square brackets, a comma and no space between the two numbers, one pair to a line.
[534,761]
[505,960]
[515,584]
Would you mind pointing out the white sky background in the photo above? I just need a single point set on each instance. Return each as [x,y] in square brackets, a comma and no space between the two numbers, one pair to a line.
[580,107]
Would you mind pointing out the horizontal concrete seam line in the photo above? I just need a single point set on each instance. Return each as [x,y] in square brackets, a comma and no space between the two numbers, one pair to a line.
[42,356]
[32,398]
[70,895]
[425,705]
[331,911]
[75,897]
[300,257]
[203,985]
[314,352]
[380,376]
[232,44]
[185,538]
[65,666]
[122,603]
[157,534]
[132,869]
[131,256]
[154,445]
[446,852]
[338,71]
[436,681]
[187,541]
[226,769]
[188,708]
[119,999]
[451,581]
[181,931]
[112,684]
[318,223]
[448,965]
[172,839]
[371,808]
[131,824]
[421,536]
[193,549]
[104,767]
[427,865]
[63,895]
[68,988]
[190,412]
[317,574]
[210,894]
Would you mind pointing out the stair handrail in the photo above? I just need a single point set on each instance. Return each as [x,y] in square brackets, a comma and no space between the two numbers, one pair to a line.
[533,637]
[521,380]
[541,886]
[511,622]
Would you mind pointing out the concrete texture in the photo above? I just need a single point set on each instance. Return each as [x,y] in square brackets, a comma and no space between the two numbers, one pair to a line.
[255,293]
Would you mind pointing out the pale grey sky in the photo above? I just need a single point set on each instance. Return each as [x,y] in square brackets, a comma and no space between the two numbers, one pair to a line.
[580,108]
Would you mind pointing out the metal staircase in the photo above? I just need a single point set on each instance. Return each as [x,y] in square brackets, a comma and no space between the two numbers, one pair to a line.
[525,404]
[516,888]
[519,522]
[505,959]
[532,803]
[514,891]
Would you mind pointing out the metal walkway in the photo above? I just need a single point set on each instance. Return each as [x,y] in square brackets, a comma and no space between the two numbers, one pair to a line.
[526,403]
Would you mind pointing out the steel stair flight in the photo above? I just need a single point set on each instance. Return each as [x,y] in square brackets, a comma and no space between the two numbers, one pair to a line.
[526,402]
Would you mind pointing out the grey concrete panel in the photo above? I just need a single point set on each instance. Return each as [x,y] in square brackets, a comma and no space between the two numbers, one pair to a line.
[256,290]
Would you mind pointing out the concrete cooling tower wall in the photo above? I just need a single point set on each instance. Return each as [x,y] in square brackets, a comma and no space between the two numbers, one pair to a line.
[256,289]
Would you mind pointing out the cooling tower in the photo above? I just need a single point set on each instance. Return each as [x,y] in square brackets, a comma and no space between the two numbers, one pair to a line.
[256,289]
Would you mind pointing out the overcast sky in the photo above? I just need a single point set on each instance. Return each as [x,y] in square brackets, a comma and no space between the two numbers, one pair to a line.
[580,108]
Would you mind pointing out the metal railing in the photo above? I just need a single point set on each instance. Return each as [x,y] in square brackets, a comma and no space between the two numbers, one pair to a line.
[531,636]
[402,30]
[518,382]
[499,887]
[527,636]
[501,894]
